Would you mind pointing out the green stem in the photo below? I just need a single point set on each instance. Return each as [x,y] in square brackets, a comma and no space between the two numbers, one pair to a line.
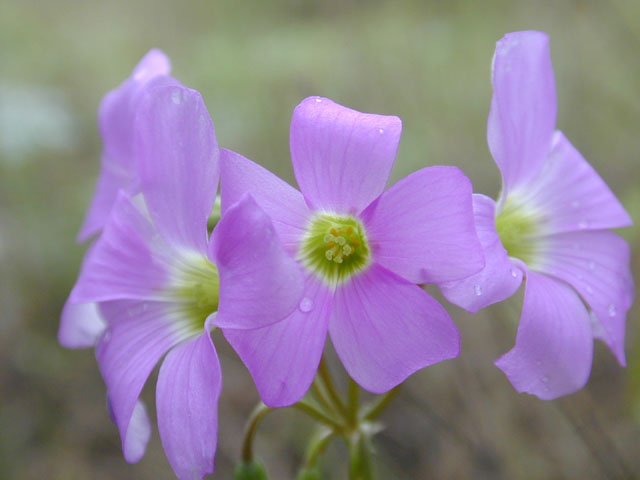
[360,457]
[250,430]
[320,395]
[318,414]
[325,376]
[377,407]
[354,402]
[317,445]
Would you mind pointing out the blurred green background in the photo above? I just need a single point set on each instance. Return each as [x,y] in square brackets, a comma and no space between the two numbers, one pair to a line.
[427,62]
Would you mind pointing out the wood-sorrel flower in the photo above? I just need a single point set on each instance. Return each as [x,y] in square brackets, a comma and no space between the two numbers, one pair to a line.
[362,252]
[549,225]
[81,324]
[162,284]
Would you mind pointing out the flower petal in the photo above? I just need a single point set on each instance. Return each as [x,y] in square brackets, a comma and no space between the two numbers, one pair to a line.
[138,433]
[139,334]
[259,282]
[187,395]
[570,194]
[385,328]
[178,161]
[80,325]
[283,358]
[127,261]
[523,107]
[422,228]
[116,121]
[283,203]
[554,347]
[597,265]
[341,158]
[499,279]
[118,108]
[111,179]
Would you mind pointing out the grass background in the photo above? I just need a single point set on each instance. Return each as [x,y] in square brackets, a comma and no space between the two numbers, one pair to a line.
[427,62]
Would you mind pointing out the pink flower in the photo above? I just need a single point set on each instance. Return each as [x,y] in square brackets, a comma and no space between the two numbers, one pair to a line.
[550,225]
[162,284]
[362,251]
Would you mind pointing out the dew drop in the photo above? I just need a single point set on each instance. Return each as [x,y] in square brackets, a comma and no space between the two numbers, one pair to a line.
[514,274]
[477,289]
[106,336]
[611,309]
[381,130]
[583,224]
[306,305]
[318,100]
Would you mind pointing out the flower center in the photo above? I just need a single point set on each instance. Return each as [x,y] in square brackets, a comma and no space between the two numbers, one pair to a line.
[196,289]
[517,227]
[335,247]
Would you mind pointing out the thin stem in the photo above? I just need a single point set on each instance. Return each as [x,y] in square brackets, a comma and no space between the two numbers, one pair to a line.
[325,376]
[319,394]
[250,430]
[318,414]
[354,401]
[317,445]
[377,407]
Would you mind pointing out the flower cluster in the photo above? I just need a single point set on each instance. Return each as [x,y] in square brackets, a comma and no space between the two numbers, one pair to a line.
[283,268]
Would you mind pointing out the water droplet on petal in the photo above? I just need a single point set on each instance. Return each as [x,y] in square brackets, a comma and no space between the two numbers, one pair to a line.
[306,305]
[176,96]
[477,289]
[514,273]
[318,100]
[106,336]
[583,224]
[381,130]
[611,309]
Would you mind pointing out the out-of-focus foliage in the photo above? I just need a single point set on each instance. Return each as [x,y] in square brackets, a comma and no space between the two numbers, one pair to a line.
[426,61]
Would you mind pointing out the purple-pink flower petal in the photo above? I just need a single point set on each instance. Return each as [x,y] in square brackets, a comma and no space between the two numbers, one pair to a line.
[139,334]
[178,161]
[127,260]
[385,328]
[523,108]
[499,279]
[138,434]
[259,282]
[116,116]
[554,346]
[571,195]
[283,203]
[596,264]
[187,393]
[341,158]
[422,228]
[112,178]
[80,325]
[283,358]
[116,121]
